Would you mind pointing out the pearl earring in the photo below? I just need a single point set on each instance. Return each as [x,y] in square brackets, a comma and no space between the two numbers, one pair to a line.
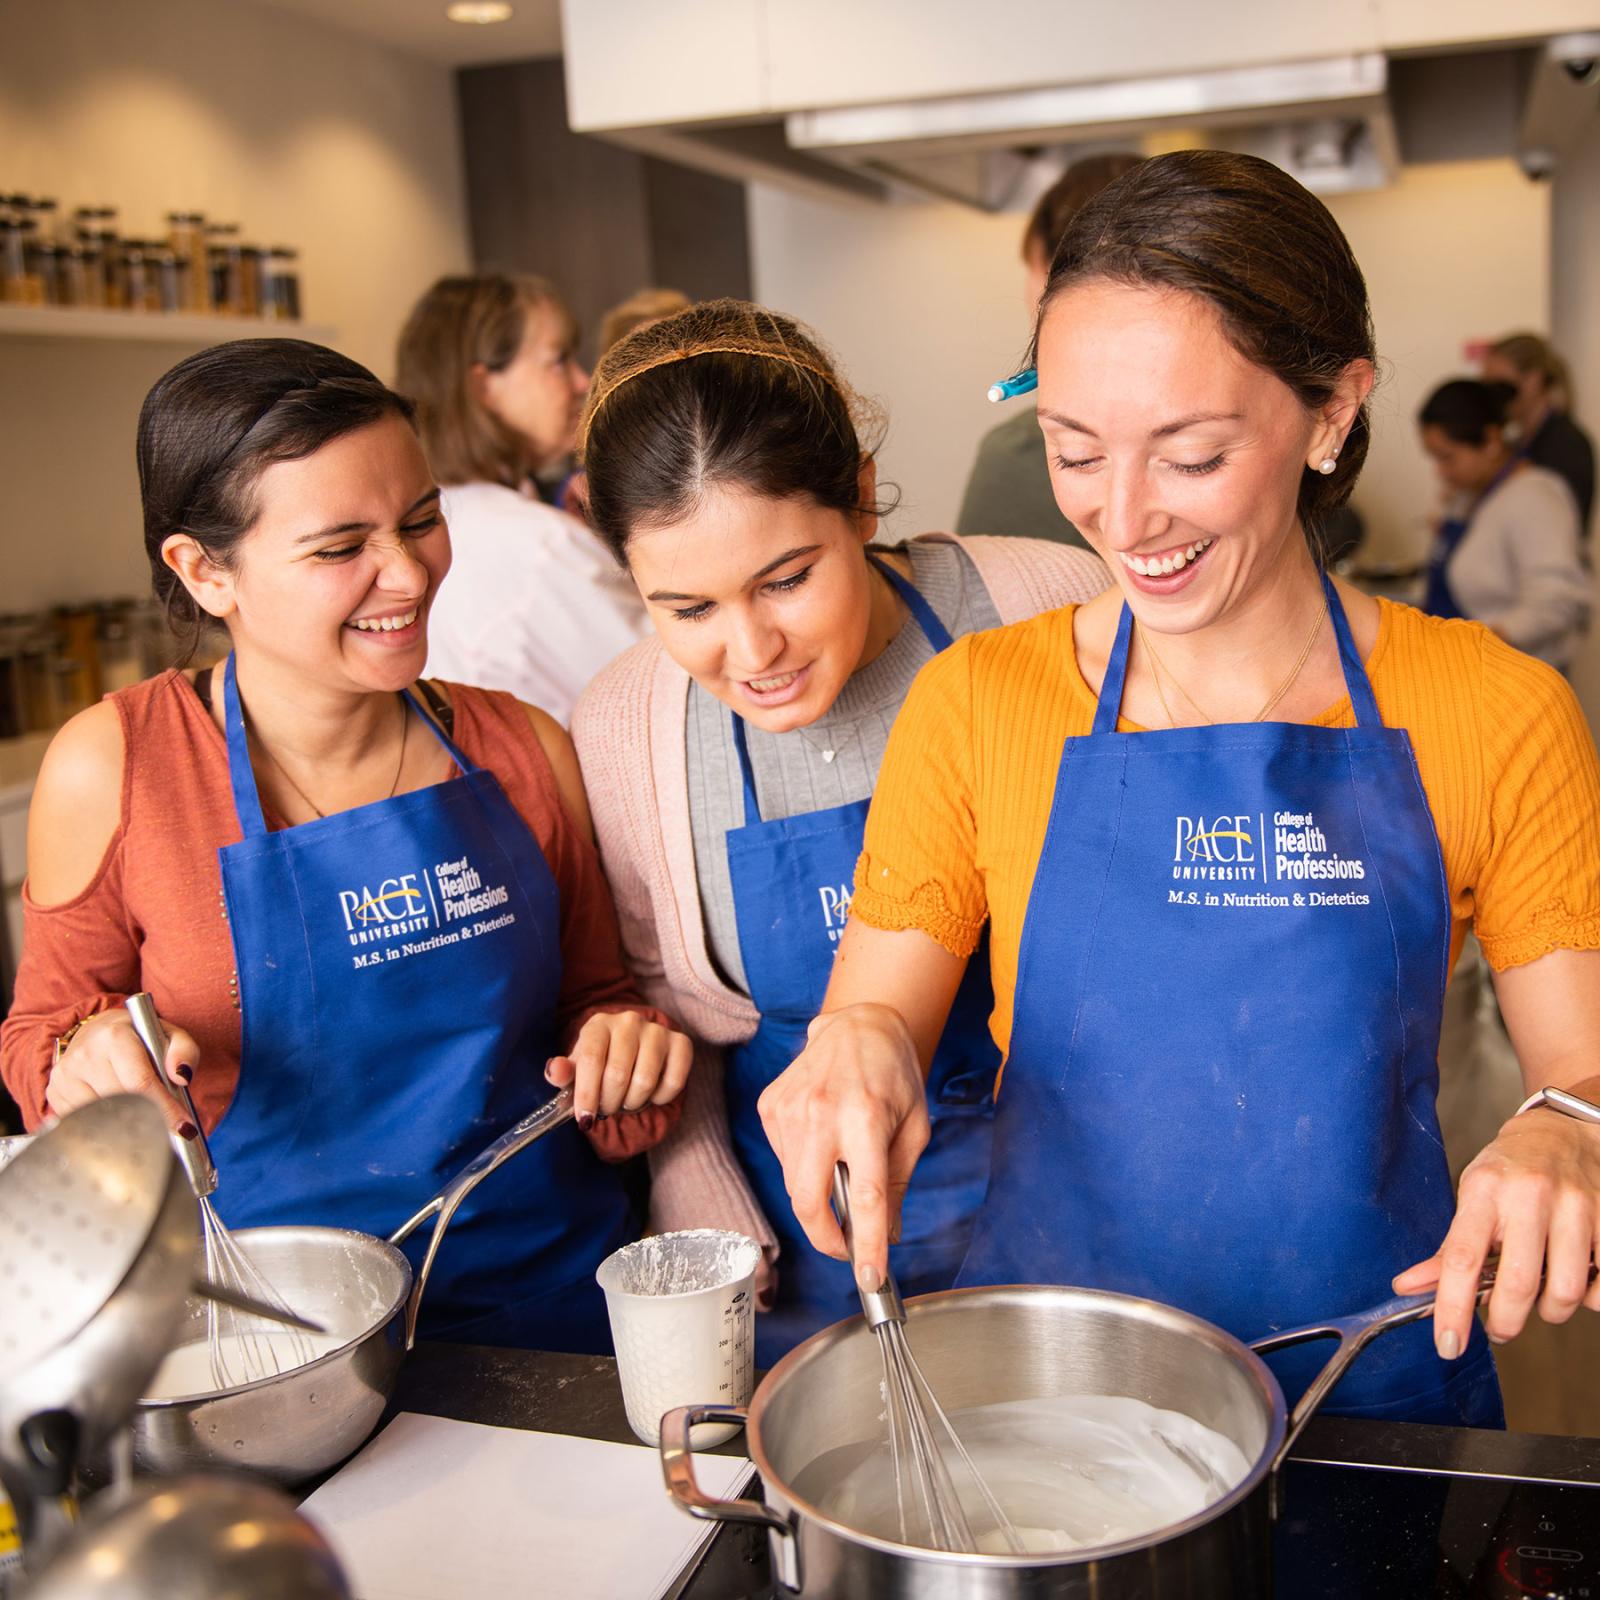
[1327,464]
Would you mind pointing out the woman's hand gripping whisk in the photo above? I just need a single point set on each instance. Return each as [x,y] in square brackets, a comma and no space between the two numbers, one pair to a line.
[930,1506]
[242,1347]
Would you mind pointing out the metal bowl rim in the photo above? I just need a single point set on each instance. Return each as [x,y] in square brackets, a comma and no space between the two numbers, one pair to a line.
[1208,1333]
[397,1257]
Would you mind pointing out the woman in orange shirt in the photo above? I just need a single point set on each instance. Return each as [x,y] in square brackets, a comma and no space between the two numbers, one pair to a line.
[1226,824]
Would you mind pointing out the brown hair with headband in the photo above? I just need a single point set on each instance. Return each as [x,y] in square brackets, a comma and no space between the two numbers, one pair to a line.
[725,395]
[460,324]
[1264,252]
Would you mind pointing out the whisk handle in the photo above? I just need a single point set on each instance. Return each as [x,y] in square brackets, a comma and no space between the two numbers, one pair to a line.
[879,1305]
[193,1153]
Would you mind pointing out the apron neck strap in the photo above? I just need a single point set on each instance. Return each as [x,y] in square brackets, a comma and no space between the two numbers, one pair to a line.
[246,797]
[241,776]
[925,617]
[1110,702]
[1362,700]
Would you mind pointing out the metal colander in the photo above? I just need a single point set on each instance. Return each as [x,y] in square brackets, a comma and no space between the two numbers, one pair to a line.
[77,1208]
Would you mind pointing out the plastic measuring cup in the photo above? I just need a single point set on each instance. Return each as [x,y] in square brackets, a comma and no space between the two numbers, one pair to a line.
[682,1309]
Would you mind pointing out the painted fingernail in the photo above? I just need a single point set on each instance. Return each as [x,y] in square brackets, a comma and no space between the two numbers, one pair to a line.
[186,1073]
[585,1120]
[187,1130]
[547,1066]
[867,1280]
[1448,1344]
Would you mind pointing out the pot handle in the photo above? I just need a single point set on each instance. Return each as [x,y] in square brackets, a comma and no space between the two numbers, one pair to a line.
[677,1467]
[1354,1333]
[555,1111]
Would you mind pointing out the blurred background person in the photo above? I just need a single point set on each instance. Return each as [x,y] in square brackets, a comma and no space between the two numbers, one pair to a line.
[1009,489]
[535,604]
[1541,408]
[640,310]
[1506,551]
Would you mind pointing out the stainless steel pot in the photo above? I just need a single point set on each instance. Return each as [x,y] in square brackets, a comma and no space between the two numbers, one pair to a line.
[298,1423]
[981,1346]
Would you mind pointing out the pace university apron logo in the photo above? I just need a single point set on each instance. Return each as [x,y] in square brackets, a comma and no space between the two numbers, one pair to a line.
[1276,850]
[440,902]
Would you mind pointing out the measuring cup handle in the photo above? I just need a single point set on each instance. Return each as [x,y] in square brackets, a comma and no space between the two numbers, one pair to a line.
[677,1467]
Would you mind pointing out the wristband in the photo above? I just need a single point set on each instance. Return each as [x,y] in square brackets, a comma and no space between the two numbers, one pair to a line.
[1569,1105]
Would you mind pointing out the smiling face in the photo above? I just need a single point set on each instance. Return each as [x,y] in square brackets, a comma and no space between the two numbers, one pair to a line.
[767,604]
[539,393]
[1178,459]
[334,578]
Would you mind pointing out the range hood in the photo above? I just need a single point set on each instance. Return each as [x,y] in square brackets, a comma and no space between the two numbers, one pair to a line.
[985,104]
[1328,122]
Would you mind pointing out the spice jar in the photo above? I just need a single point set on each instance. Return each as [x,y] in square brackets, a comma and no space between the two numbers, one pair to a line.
[187,236]
[72,275]
[121,660]
[77,659]
[137,272]
[169,275]
[282,293]
[227,267]
[13,261]
[252,276]
[36,659]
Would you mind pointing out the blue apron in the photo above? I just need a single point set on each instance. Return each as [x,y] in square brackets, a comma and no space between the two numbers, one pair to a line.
[399,966]
[1221,1083]
[791,892]
[1438,598]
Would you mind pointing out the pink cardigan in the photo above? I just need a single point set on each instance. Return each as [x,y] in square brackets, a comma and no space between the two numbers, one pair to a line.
[629,730]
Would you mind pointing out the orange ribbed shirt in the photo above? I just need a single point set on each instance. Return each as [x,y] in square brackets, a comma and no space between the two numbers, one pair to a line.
[963,798]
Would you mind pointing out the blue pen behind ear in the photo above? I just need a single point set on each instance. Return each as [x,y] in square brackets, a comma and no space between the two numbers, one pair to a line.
[1024,382]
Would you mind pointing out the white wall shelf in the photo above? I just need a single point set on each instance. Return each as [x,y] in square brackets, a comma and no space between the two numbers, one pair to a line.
[149,327]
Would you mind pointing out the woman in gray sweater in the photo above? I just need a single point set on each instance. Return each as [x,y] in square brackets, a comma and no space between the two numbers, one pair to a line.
[1506,551]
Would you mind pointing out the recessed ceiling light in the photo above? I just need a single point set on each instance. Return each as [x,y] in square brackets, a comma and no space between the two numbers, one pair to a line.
[479,11]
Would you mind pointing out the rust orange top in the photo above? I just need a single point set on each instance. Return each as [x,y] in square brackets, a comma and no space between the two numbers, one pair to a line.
[152,916]
[963,798]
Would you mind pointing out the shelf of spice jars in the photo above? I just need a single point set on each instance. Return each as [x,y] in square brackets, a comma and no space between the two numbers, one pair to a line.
[164,327]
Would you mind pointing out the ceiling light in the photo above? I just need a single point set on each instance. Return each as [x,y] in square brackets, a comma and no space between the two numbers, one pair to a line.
[479,11]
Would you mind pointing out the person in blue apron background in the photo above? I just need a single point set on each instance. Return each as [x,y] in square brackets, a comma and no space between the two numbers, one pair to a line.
[731,761]
[367,907]
[1508,551]
[1226,826]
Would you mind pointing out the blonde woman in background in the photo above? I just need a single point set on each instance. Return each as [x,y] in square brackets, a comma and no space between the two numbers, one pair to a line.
[1541,410]
[535,605]
[641,310]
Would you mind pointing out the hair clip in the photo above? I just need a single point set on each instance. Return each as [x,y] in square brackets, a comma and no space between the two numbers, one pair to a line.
[1024,382]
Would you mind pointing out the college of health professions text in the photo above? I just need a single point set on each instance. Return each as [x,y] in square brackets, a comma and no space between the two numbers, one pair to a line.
[1269,863]
[427,908]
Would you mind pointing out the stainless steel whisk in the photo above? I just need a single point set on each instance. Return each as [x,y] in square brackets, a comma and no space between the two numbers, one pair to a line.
[929,1503]
[242,1347]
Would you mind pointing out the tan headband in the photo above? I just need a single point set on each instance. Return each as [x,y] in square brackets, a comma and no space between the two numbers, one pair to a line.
[729,347]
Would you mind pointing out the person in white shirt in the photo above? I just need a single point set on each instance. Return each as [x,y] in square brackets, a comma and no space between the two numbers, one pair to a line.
[1506,552]
[534,603]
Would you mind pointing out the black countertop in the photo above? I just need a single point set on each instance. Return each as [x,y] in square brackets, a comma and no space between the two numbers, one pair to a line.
[1386,1461]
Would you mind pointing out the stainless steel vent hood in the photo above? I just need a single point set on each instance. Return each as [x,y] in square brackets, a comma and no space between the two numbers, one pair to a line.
[984,103]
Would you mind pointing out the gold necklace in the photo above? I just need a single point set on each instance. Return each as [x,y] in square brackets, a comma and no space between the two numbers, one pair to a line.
[301,795]
[1283,688]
